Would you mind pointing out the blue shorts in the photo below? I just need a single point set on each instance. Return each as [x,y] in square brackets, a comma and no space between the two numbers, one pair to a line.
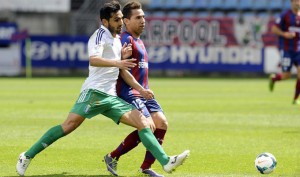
[145,106]
[288,59]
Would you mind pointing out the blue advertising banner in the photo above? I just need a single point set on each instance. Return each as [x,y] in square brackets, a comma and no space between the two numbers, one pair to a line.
[71,52]
[57,51]
[223,59]
[6,32]
[206,44]
[195,44]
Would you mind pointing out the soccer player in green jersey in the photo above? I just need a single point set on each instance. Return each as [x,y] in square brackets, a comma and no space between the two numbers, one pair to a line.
[98,94]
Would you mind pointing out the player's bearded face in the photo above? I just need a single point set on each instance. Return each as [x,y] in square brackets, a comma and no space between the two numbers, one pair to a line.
[115,23]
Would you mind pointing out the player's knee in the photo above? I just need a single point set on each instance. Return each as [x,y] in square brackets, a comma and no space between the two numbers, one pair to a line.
[67,127]
[143,123]
[164,124]
[161,123]
[70,125]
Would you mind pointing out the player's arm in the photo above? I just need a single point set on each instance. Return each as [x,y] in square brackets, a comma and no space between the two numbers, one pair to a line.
[130,80]
[98,61]
[286,34]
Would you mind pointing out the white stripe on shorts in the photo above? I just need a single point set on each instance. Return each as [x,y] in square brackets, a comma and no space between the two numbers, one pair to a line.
[82,96]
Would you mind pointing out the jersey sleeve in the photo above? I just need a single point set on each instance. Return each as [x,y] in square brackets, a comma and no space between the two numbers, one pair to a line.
[96,46]
[279,22]
[127,39]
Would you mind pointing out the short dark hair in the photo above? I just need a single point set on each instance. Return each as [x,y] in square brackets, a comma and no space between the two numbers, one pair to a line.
[109,8]
[130,6]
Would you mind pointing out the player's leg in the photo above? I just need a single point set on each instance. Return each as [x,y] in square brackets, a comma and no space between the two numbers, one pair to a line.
[161,128]
[53,134]
[122,111]
[74,119]
[161,125]
[136,119]
[132,140]
[278,77]
[297,88]
[286,65]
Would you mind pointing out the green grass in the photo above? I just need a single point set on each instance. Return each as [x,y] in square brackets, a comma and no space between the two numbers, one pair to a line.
[225,123]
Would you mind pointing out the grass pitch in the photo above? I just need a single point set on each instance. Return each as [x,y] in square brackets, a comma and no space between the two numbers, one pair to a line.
[225,123]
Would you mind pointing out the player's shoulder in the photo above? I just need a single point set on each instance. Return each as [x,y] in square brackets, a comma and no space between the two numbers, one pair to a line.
[286,12]
[283,16]
[100,36]
[126,37]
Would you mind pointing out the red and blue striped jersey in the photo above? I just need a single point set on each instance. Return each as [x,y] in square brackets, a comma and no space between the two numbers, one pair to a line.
[139,72]
[289,21]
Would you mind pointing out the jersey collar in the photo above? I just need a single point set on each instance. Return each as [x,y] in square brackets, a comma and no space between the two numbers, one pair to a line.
[108,32]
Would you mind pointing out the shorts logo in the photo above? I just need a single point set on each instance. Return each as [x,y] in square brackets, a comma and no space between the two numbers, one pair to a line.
[87,108]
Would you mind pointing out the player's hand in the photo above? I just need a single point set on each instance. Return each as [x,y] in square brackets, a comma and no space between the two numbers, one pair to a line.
[151,124]
[126,51]
[289,35]
[147,94]
[126,64]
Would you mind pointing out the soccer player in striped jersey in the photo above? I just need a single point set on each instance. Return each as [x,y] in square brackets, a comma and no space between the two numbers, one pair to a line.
[98,93]
[287,27]
[134,21]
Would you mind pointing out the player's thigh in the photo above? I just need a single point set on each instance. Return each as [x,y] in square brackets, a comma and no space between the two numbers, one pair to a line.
[139,104]
[135,119]
[157,114]
[117,108]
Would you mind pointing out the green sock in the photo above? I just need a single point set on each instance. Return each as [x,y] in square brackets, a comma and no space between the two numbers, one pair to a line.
[48,138]
[151,144]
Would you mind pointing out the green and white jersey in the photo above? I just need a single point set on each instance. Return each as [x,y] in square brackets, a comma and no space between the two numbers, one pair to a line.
[104,45]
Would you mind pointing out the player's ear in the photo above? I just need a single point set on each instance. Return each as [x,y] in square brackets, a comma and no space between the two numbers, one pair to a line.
[126,21]
[104,22]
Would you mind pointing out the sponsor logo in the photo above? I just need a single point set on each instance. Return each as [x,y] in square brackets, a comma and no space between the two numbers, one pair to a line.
[294,29]
[87,108]
[7,32]
[39,50]
[261,161]
[174,161]
[205,55]
[44,145]
[143,64]
[58,51]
